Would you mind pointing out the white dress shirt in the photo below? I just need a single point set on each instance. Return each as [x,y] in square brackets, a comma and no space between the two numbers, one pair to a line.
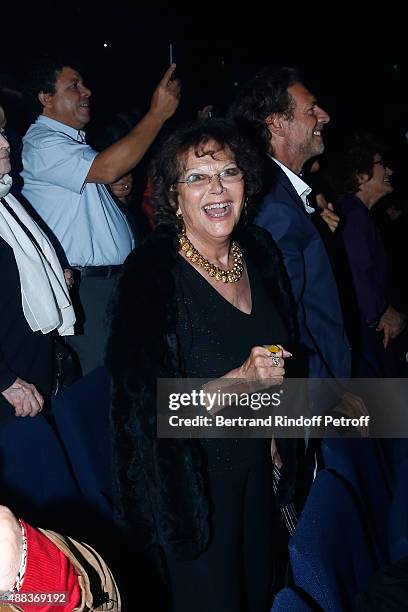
[302,189]
[84,217]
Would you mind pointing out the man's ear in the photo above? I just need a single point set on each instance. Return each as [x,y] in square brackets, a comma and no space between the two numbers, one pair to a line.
[275,123]
[45,99]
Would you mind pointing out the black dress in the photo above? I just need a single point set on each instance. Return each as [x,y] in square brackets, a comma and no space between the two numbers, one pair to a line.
[236,572]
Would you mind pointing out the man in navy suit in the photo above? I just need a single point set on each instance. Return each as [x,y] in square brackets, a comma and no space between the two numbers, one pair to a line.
[276,108]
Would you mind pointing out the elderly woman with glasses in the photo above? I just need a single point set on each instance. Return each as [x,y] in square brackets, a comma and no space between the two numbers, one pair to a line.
[201,298]
[34,301]
[34,308]
[363,178]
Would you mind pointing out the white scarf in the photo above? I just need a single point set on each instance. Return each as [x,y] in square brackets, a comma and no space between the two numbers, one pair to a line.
[44,294]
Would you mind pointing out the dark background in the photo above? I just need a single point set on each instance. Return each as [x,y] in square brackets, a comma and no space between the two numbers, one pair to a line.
[353,55]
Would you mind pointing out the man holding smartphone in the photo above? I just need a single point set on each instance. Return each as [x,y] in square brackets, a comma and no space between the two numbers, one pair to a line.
[66,182]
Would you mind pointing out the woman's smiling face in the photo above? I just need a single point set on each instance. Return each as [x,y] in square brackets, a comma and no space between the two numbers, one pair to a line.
[378,185]
[210,209]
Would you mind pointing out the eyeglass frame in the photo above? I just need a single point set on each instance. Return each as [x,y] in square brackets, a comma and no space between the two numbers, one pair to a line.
[210,178]
[381,162]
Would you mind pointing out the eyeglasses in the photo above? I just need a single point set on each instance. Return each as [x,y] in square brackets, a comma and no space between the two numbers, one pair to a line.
[381,162]
[200,181]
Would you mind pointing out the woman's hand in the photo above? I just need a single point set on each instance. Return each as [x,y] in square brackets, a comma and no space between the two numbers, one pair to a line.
[24,398]
[329,217]
[392,324]
[263,365]
[260,370]
[122,188]
[69,277]
[11,548]
[353,407]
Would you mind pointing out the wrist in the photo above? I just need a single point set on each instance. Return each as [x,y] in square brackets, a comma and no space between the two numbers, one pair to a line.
[155,115]
[235,373]
[7,380]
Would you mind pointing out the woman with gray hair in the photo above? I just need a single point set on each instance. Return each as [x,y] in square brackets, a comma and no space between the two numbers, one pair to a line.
[34,304]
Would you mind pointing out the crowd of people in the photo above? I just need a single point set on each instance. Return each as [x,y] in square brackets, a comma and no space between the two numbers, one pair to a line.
[244,265]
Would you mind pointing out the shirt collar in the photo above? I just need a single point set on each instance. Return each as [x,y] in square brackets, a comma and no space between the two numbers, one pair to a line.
[62,127]
[301,188]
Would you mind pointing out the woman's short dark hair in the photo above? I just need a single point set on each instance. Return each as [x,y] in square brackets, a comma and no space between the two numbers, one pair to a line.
[167,166]
[352,159]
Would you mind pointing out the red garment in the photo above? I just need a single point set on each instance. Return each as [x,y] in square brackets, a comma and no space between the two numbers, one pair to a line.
[48,571]
[147,204]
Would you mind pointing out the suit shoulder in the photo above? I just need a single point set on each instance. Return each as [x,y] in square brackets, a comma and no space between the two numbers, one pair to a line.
[279,210]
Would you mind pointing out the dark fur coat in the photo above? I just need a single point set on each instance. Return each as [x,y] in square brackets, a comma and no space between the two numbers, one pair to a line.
[161,483]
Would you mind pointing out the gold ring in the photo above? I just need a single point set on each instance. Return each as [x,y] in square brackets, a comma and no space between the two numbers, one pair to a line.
[273,348]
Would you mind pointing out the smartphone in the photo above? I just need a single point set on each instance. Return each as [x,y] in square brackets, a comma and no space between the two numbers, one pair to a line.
[172,56]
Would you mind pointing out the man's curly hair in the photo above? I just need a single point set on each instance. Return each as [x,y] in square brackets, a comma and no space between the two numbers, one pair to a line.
[261,96]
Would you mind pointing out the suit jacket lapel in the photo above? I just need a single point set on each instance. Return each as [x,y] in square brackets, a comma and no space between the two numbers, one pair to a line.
[281,178]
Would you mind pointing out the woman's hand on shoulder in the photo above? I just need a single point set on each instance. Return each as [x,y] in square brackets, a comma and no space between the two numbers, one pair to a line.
[24,397]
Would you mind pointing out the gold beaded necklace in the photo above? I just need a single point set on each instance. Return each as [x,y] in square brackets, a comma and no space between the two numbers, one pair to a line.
[226,276]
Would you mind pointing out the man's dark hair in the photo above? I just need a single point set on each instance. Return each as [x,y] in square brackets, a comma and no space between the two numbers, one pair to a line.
[42,75]
[262,95]
[167,166]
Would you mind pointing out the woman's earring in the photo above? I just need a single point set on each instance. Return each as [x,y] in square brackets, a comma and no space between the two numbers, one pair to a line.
[179,215]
